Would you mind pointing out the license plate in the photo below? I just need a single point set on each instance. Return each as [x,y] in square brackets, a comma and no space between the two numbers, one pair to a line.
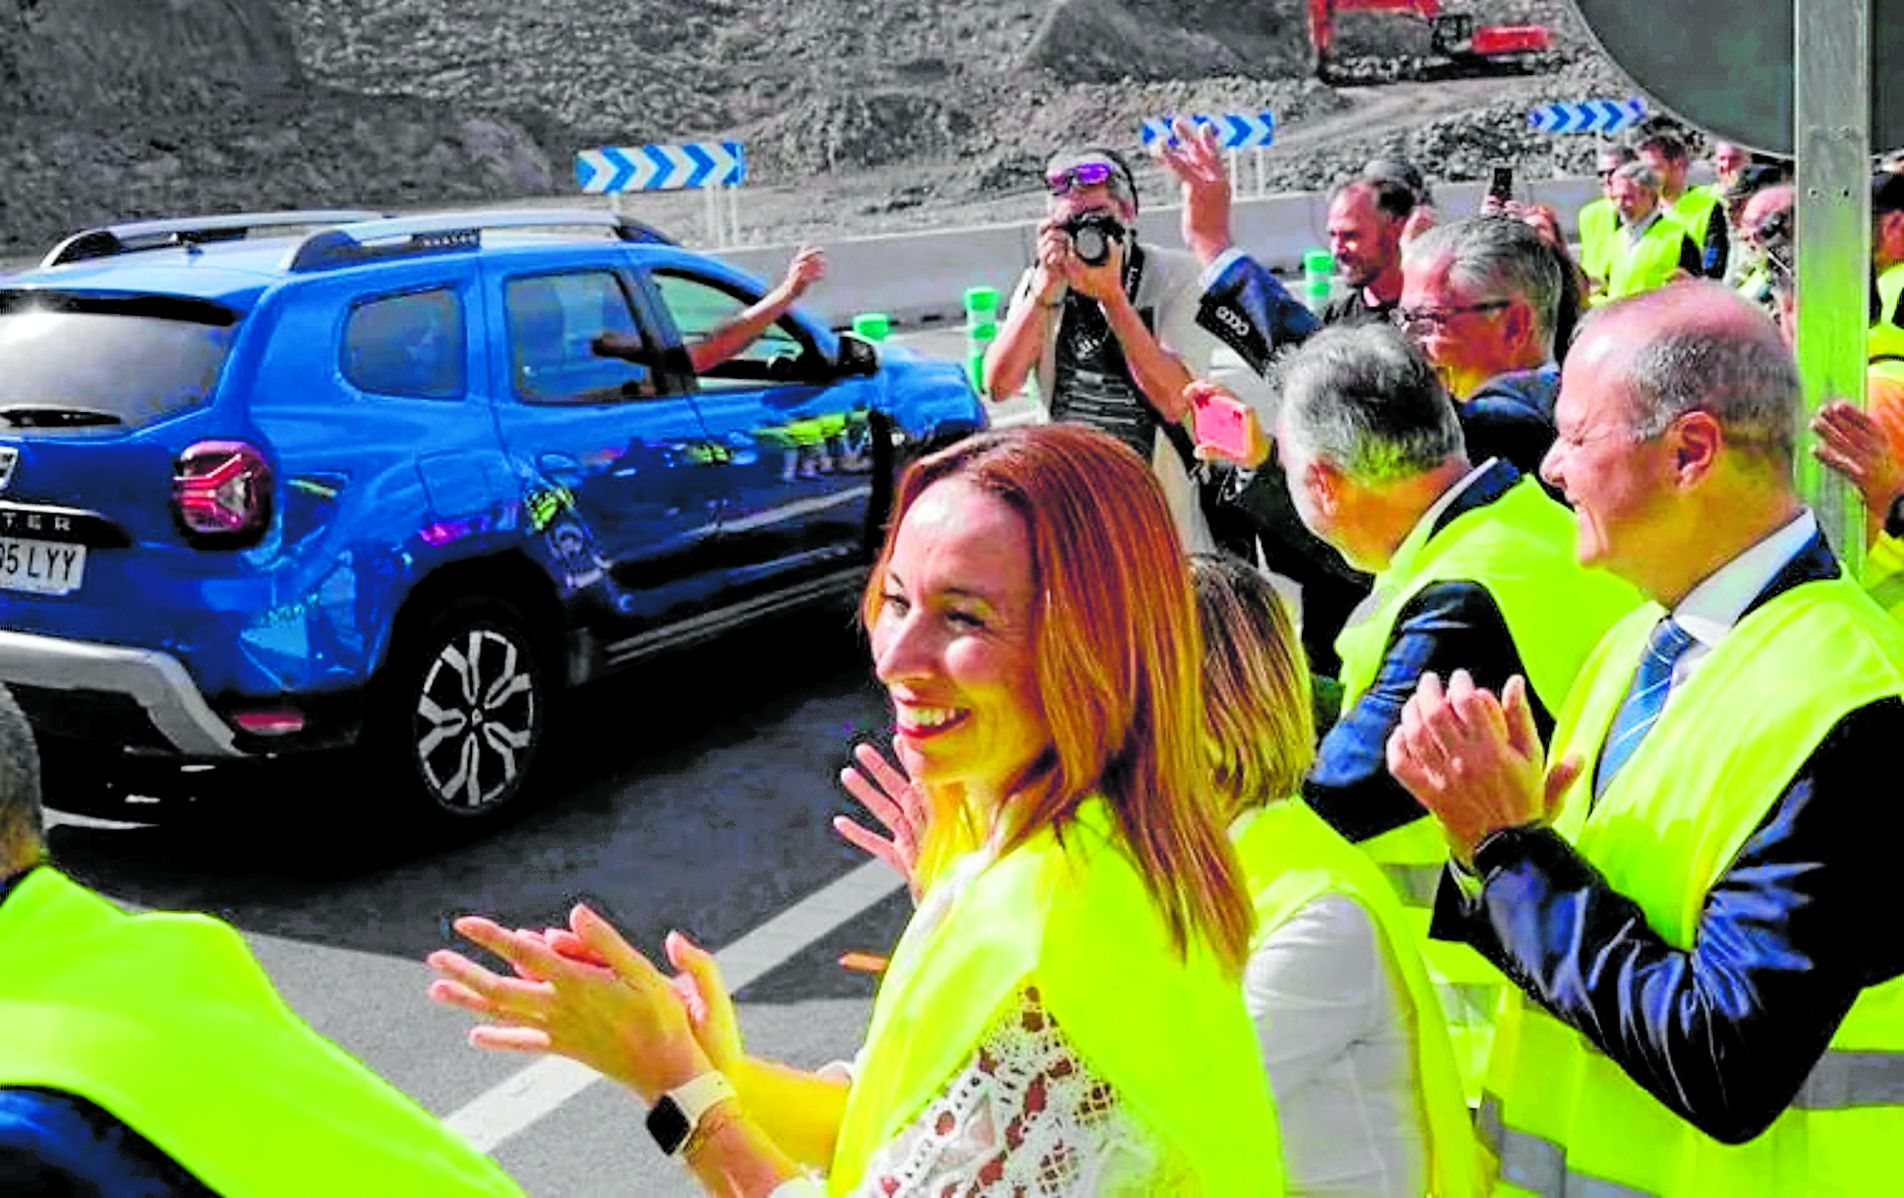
[43,567]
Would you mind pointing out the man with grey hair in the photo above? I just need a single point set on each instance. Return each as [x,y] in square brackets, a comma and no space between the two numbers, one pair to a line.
[1481,298]
[150,1054]
[1694,889]
[1474,571]
[1652,248]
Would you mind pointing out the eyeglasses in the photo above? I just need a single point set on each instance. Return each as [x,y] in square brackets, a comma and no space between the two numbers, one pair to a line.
[1084,174]
[1435,320]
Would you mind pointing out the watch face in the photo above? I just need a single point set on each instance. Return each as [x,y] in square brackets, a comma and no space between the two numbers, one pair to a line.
[668,1125]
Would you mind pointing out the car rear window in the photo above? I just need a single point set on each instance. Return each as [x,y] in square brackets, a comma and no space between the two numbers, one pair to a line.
[408,344]
[78,360]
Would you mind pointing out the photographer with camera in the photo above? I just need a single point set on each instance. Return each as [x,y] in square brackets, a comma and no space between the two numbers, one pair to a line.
[1109,327]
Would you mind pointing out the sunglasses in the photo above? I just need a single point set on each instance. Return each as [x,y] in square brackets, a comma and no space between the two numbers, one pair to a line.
[1084,174]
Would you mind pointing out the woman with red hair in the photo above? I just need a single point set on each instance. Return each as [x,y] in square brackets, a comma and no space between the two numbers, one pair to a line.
[1062,1014]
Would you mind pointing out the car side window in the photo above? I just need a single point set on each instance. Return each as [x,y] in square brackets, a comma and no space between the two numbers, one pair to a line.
[410,344]
[699,307]
[573,339]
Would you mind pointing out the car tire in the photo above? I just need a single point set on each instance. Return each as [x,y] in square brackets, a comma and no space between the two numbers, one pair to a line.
[75,780]
[459,715]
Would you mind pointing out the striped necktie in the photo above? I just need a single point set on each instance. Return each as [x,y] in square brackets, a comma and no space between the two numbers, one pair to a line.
[1645,699]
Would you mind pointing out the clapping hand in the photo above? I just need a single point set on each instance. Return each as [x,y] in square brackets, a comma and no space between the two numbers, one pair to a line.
[1853,444]
[607,1006]
[891,798]
[1475,761]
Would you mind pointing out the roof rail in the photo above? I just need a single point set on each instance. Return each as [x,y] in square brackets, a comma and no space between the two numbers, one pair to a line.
[445,232]
[129,238]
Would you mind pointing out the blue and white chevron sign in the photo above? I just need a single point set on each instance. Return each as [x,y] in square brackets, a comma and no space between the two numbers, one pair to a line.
[661,167]
[1587,116]
[1235,131]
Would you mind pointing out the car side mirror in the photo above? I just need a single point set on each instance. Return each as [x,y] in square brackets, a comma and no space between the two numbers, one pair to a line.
[858,356]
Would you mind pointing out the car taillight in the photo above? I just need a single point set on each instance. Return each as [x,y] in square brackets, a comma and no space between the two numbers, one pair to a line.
[221,493]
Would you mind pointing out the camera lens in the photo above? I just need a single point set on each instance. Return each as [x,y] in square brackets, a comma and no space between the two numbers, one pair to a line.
[1090,245]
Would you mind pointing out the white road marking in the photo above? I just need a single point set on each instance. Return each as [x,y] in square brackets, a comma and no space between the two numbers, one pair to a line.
[518,1101]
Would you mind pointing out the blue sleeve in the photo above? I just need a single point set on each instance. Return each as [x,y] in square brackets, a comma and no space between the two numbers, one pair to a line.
[1726,1033]
[1248,309]
[1449,626]
[53,1143]
[1718,246]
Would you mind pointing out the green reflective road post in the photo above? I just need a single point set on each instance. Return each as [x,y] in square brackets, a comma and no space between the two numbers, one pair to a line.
[1318,273]
[874,326]
[1832,98]
[981,327]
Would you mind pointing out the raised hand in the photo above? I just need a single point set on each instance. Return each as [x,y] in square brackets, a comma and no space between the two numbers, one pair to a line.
[807,268]
[1198,165]
[890,797]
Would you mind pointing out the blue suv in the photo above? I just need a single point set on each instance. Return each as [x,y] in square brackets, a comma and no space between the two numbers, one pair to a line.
[279,483]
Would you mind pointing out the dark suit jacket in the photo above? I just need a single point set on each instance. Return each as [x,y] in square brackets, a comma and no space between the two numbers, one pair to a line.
[1448,626]
[1806,918]
[1511,417]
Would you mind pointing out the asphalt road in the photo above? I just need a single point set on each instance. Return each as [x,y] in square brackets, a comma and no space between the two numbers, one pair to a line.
[695,793]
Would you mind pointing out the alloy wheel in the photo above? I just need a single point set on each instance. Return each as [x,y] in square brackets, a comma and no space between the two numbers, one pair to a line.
[476,719]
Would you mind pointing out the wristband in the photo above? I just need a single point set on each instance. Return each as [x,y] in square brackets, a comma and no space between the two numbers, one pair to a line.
[675,1115]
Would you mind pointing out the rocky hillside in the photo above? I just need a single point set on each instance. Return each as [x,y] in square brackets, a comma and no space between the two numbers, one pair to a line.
[856,113]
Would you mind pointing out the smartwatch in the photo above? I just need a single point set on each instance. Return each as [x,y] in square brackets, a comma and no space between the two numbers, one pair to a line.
[1894,519]
[675,1115]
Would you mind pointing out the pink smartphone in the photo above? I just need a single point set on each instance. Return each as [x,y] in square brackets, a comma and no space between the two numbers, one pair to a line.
[1223,422]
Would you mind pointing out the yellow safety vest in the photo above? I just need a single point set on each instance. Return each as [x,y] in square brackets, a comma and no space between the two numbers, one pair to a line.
[1291,858]
[1074,918]
[1560,1115]
[1694,209]
[1599,223]
[1521,549]
[1887,337]
[1648,263]
[167,1022]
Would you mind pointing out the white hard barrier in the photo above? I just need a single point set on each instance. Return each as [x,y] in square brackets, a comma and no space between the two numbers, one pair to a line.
[921,277]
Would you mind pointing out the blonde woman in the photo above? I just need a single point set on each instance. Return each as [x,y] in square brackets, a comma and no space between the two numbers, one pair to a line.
[1351,1031]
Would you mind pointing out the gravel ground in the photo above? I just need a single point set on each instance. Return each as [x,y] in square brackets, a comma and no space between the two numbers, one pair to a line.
[859,116]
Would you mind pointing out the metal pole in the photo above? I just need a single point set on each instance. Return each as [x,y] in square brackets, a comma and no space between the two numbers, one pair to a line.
[1262,176]
[1832,77]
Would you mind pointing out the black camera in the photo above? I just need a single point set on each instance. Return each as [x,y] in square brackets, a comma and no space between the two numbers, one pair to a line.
[1092,234]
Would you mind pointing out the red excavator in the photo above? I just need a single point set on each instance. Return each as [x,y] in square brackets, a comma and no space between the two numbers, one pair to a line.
[1454,36]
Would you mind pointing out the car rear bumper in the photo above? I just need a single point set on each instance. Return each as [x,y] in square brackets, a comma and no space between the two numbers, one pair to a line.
[91,676]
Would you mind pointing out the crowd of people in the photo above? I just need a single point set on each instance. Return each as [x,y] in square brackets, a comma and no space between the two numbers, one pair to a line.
[1531,849]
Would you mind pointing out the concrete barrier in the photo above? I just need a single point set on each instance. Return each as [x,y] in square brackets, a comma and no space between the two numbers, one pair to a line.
[920,277]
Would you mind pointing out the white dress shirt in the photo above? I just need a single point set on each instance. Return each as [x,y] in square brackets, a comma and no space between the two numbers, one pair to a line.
[1710,609]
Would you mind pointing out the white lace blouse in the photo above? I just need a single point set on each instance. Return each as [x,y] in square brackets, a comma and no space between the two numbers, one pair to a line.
[1024,1117]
